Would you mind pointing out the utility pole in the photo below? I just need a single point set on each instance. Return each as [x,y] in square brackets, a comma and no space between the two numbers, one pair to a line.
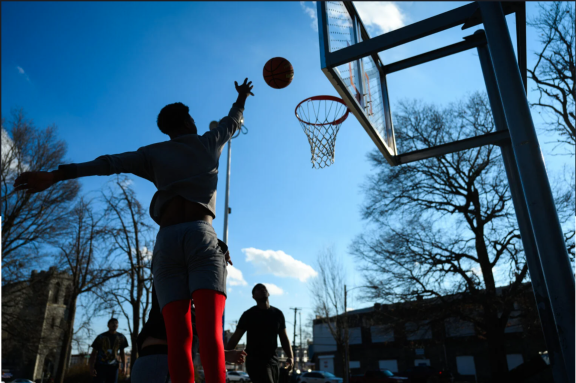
[296,309]
[301,349]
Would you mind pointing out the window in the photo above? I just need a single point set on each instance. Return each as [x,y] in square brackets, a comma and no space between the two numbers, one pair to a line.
[382,334]
[514,323]
[56,293]
[458,327]
[68,295]
[354,364]
[514,360]
[355,335]
[388,364]
[419,330]
[465,365]
[421,362]
[323,339]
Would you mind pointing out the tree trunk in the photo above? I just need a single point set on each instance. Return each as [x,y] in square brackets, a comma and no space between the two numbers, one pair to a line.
[135,324]
[496,347]
[66,341]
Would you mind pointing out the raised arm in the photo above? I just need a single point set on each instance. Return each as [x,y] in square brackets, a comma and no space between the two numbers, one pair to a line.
[217,137]
[244,91]
[233,342]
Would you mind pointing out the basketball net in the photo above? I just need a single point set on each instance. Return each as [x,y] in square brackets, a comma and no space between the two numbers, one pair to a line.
[321,117]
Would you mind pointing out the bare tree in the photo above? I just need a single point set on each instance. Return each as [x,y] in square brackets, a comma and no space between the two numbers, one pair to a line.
[327,291]
[445,226]
[555,69]
[129,234]
[30,220]
[81,256]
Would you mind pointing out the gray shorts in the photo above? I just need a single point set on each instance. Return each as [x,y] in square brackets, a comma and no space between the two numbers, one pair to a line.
[151,369]
[187,258]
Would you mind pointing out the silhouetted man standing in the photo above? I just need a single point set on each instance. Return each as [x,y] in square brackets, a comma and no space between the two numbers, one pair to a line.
[263,324]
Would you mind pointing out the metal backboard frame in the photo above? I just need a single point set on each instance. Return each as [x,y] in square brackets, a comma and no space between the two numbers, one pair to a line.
[349,59]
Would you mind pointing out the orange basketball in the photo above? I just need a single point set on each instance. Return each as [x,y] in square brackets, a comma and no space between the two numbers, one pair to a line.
[278,72]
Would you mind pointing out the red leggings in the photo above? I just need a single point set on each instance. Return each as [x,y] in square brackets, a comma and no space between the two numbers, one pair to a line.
[209,306]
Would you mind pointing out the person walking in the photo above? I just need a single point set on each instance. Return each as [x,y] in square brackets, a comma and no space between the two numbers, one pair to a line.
[107,353]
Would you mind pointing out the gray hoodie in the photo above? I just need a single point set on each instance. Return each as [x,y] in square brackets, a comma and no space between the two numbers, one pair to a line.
[186,165]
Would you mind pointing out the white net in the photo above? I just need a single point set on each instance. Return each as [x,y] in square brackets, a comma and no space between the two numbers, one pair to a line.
[321,118]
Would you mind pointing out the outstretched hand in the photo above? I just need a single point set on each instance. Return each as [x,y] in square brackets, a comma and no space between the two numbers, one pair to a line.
[34,182]
[228,259]
[235,356]
[244,89]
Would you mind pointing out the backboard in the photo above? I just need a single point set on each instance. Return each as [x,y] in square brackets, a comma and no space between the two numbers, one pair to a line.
[349,59]
[359,82]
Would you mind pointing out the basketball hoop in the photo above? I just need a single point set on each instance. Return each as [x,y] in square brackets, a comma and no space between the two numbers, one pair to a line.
[321,117]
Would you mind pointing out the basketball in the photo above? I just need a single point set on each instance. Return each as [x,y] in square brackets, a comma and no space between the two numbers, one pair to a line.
[278,72]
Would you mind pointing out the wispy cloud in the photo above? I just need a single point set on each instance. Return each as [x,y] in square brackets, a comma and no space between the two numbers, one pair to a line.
[384,16]
[310,11]
[278,263]
[273,289]
[22,72]
[235,277]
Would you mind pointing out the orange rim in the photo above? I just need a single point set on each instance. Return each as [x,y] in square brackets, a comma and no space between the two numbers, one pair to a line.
[326,98]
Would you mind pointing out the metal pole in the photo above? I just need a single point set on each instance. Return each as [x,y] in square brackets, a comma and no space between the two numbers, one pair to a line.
[530,249]
[346,362]
[226,212]
[227,206]
[539,199]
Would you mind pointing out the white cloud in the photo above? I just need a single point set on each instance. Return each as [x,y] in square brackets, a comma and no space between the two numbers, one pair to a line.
[22,72]
[385,16]
[273,289]
[279,264]
[146,253]
[126,183]
[235,277]
[310,11]
[9,157]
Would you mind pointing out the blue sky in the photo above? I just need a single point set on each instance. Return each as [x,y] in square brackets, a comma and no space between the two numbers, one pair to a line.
[101,71]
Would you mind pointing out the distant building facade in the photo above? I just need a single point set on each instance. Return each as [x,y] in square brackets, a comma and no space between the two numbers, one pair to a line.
[396,345]
[33,323]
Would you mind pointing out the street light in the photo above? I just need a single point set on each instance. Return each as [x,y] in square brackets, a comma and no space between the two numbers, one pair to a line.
[243,130]
[346,346]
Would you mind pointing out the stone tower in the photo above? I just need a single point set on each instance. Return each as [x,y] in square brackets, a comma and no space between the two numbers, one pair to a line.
[34,316]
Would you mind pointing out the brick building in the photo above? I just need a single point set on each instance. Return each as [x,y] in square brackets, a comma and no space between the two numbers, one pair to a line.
[33,323]
[377,342]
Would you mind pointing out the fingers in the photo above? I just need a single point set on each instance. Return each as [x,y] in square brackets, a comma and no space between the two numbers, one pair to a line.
[22,179]
[228,259]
